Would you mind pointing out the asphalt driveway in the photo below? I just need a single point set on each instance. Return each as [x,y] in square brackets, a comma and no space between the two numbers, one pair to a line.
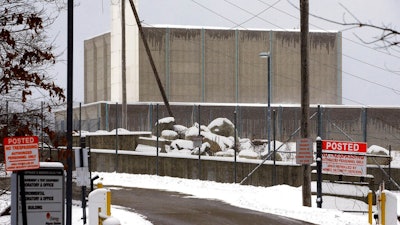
[172,208]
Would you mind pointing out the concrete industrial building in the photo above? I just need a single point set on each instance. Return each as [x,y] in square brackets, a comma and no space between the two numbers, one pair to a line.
[217,65]
[210,65]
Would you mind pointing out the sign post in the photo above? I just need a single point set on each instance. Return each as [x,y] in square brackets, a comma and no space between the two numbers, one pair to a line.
[319,172]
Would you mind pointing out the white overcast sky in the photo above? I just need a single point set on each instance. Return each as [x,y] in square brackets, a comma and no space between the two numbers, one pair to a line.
[371,75]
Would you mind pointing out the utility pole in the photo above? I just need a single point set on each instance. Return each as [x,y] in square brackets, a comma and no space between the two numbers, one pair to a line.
[305,96]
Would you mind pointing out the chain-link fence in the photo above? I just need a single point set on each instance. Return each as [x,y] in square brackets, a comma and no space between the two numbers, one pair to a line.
[374,125]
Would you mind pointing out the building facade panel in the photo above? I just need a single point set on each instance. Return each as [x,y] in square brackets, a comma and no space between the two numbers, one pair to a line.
[89,78]
[324,50]
[286,67]
[253,70]
[148,87]
[184,65]
[219,60]
[97,68]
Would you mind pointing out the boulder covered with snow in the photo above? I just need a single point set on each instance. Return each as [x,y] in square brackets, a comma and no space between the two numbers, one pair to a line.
[377,151]
[204,149]
[182,145]
[166,123]
[248,154]
[180,130]
[246,144]
[169,135]
[218,142]
[222,127]
[216,137]
[193,131]
[278,156]
[187,147]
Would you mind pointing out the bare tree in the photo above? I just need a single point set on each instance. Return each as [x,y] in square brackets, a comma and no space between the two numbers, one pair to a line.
[388,37]
[26,56]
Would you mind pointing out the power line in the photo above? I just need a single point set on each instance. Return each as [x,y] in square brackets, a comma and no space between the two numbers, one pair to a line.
[372,65]
[253,15]
[214,12]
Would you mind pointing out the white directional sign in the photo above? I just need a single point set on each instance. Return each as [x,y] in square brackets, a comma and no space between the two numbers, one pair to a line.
[44,195]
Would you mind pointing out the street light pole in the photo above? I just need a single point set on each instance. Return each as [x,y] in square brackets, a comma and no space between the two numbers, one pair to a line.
[267,55]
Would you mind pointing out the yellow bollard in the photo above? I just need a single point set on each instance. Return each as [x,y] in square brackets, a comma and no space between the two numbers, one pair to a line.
[383,208]
[100,183]
[100,219]
[108,203]
[370,207]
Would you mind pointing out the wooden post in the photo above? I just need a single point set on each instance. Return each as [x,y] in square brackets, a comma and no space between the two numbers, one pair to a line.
[305,97]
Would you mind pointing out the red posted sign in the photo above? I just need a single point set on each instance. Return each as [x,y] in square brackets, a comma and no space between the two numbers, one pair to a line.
[344,146]
[21,153]
[344,157]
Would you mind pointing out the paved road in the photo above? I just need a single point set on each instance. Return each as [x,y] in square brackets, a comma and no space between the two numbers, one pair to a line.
[172,208]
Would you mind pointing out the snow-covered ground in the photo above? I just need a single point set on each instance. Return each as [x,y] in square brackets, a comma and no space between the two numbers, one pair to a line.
[281,199]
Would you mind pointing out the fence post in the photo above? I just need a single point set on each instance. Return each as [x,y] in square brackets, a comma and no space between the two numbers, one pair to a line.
[199,164]
[319,172]
[150,113]
[274,151]
[364,123]
[116,137]
[157,136]
[235,146]
[7,119]
[107,128]
[319,123]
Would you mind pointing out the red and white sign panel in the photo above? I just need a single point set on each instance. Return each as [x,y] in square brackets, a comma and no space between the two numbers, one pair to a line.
[21,153]
[304,151]
[344,164]
[344,146]
[344,157]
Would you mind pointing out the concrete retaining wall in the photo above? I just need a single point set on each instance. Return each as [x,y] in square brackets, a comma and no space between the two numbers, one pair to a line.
[124,141]
[215,169]
[188,167]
